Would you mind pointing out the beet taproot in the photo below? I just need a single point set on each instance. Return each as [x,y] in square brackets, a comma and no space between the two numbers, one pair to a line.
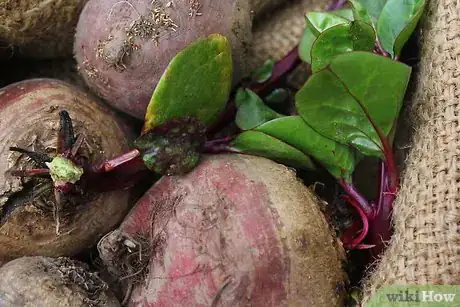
[52,282]
[123,47]
[40,28]
[236,231]
[31,223]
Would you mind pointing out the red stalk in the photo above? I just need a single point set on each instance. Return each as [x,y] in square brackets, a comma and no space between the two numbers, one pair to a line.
[113,163]
[358,199]
[31,172]
[356,242]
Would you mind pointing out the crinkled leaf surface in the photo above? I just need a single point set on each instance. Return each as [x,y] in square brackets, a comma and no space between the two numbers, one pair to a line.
[263,73]
[356,92]
[196,83]
[397,21]
[252,111]
[339,39]
[261,144]
[338,159]
[174,147]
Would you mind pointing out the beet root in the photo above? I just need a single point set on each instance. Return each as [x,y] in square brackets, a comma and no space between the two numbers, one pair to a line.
[49,282]
[31,222]
[123,47]
[236,231]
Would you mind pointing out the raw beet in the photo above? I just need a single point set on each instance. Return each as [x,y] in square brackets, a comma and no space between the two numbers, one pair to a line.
[236,231]
[29,113]
[52,282]
[123,47]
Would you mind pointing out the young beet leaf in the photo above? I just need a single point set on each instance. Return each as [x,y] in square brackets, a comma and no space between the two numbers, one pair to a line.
[196,83]
[338,159]
[260,144]
[191,94]
[316,23]
[355,100]
[252,111]
[345,13]
[360,12]
[397,21]
[368,10]
[319,22]
[342,38]
[263,73]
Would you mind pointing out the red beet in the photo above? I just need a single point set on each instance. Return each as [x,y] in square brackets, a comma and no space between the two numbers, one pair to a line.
[236,231]
[31,222]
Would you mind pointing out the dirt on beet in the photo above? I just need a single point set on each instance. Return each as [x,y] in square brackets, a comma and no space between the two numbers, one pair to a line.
[33,198]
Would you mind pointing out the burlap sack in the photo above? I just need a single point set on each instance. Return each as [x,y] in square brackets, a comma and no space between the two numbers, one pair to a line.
[260,7]
[425,248]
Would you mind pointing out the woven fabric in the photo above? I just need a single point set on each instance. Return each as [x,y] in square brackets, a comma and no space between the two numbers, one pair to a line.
[260,7]
[425,248]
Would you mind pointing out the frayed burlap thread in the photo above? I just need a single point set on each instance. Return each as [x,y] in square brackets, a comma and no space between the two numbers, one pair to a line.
[425,248]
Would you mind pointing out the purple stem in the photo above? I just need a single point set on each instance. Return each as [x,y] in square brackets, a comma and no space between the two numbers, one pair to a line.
[335,5]
[356,242]
[360,200]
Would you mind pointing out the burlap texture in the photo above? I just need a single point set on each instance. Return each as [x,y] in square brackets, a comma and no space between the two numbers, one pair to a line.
[261,7]
[425,248]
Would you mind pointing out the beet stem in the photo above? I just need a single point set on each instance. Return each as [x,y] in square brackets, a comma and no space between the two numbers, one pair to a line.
[113,163]
[381,230]
[31,172]
[354,242]
[360,200]
[335,5]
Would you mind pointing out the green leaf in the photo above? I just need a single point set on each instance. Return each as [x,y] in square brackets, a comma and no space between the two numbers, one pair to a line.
[338,159]
[318,22]
[259,144]
[339,39]
[321,21]
[196,83]
[397,22]
[263,73]
[345,13]
[355,92]
[373,8]
[306,42]
[277,96]
[360,12]
[252,111]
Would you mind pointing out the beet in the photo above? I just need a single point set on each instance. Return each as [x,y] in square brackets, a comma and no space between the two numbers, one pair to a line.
[236,231]
[48,282]
[31,222]
[124,47]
